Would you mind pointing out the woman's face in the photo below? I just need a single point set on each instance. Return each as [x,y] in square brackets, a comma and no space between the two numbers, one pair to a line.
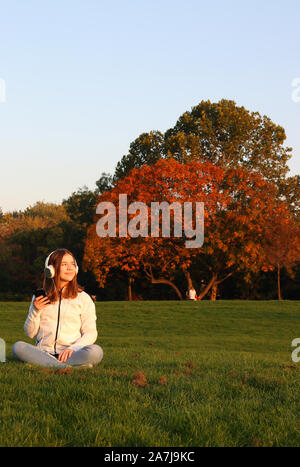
[67,268]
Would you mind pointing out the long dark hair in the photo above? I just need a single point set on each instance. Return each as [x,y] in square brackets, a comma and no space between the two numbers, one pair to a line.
[51,285]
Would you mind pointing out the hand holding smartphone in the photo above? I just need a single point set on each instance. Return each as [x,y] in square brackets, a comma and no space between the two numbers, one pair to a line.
[39,292]
[41,299]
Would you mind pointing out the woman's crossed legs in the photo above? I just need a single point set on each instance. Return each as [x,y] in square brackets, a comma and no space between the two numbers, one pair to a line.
[89,355]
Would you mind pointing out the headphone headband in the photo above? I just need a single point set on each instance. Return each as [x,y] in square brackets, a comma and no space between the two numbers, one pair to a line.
[47,259]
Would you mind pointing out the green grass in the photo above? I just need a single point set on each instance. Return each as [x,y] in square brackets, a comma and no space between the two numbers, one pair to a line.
[229,379]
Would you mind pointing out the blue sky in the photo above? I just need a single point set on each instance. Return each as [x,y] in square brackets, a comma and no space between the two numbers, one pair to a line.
[84,78]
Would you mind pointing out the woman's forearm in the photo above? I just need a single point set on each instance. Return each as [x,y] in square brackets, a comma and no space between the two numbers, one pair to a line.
[32,323]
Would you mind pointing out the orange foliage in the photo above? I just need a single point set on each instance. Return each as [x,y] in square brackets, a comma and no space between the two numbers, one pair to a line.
[238,204]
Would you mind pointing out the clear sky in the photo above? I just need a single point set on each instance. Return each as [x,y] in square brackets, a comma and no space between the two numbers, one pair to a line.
[82,79]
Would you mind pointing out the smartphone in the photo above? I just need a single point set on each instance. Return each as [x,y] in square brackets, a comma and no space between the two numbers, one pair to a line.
[39,292]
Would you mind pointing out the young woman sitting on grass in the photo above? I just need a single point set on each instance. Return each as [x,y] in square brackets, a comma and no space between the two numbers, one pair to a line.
[63,322]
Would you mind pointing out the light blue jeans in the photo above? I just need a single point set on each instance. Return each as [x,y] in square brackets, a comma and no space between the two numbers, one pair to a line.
[89,355]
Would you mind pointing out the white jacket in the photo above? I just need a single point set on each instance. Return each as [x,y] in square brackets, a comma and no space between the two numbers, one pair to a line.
[66,323]
[192,294]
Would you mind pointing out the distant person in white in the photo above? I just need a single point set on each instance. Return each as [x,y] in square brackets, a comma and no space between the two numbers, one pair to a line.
[63,322]
[192,295]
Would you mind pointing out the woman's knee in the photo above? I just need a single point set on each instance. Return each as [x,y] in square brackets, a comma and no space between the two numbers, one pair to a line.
[18,348]
[95,353]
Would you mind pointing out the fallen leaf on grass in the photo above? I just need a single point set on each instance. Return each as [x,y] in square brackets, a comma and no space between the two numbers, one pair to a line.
[290,367]
[139,379]
[64,371]
[162,380]
[190,365]
[265,383]
[256,442]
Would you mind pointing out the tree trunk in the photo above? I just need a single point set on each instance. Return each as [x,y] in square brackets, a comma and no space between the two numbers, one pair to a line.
[161,280]
[208,287]
[278,283]
[130,288]
[213,292]
[189,282]
[189,279]
[213,283]
[166,281]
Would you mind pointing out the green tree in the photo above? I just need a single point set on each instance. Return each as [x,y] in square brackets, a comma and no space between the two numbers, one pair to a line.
[226,135]
[105,183]
[148,148]
[221,133]
[81,206]
[289,192]
[25,239]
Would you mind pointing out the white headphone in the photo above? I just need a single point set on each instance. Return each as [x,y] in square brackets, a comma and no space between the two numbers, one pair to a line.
[49,269]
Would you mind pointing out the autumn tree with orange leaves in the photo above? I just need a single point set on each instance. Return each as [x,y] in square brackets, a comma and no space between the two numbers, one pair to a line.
[236,202]
[282,247]
[155,257]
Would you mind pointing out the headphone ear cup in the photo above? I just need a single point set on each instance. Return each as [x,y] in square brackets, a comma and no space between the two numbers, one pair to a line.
[49,272]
